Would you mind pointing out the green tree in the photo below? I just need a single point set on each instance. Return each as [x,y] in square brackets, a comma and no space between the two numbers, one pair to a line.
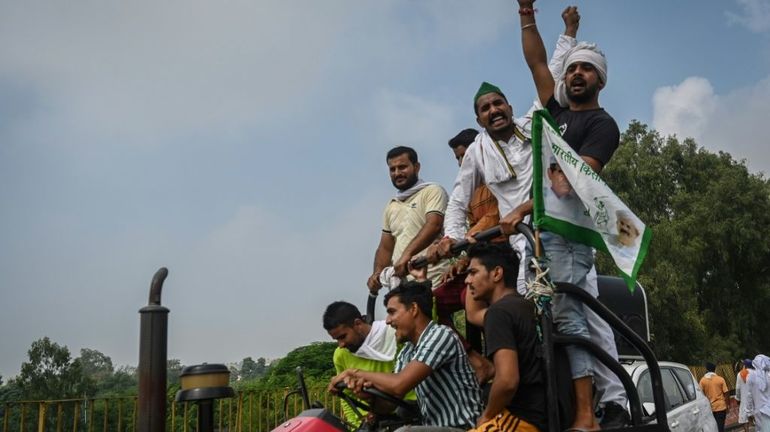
[10,391]
[707,270]
[51,373]
[262,366]
[251,369]
[315,360]
[95,364]
[235,372]
[173,369]
[122,382]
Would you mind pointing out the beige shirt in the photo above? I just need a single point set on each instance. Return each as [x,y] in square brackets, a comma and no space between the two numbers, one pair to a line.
[404,219]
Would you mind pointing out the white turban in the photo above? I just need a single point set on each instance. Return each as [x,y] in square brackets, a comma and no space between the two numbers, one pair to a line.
[762,365]
[582,52]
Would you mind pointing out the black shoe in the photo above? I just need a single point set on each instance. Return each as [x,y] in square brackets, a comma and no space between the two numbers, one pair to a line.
[615,416]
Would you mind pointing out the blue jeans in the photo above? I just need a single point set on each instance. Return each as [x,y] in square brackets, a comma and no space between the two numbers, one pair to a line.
[570,262]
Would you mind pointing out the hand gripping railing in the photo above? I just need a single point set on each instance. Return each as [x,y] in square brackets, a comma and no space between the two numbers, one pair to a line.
[422,261]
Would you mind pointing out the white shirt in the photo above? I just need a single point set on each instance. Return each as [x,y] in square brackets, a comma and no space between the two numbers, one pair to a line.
[759,399]
[511,193]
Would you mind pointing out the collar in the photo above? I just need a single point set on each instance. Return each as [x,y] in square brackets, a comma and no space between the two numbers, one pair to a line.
[424,331]
[517,136]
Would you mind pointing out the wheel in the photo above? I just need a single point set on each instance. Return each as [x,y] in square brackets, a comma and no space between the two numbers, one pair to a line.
[398,402]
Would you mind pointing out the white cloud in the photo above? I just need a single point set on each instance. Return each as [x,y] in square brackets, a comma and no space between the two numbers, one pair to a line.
[410,120]
[94,92]
[257,286]
[479,24]
[755,15]
[426,125]
[107,72]
[684,109]
[733,122]
[152,70]
[252,285]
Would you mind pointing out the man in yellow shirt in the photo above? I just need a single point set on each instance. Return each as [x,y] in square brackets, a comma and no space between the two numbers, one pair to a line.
[412,220]
[715,388]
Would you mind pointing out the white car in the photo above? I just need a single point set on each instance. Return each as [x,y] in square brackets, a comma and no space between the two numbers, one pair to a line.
[687,408]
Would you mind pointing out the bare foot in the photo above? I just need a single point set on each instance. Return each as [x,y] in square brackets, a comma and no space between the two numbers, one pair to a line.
[581,427]
[584,413]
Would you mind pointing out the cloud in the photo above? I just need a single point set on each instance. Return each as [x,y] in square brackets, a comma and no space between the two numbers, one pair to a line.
[142,134]
[480,24]
[256,285]
[252,284]
[755,15]
[421,123]
[733,122]
[108,72]
[157,70]
[684,109]
[409,119]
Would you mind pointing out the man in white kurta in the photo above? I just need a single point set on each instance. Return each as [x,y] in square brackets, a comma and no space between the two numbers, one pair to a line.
[503,161]
[758,384]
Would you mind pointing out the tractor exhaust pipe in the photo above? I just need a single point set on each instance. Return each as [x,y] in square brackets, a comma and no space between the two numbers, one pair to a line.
[153,344]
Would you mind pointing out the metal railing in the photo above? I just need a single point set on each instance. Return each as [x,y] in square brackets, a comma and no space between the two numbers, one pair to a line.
[248,411]
[87,415]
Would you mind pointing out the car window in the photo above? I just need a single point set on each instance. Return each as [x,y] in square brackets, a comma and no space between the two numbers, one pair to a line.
[685,378]
[644,388]
[671,388]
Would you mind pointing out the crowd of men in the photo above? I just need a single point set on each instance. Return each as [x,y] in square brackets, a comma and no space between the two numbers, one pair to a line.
[757,404]
[752,391]
[414,352]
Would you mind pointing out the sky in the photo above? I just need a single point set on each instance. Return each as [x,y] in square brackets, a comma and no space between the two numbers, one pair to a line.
[241,144]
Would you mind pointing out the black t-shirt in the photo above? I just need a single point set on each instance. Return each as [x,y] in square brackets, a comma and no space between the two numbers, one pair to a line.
[592,133]
[510,324]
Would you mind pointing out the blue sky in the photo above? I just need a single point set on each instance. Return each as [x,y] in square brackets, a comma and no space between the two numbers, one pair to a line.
[241,144]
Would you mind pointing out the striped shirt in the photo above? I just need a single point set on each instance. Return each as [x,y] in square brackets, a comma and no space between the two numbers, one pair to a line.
[449,396]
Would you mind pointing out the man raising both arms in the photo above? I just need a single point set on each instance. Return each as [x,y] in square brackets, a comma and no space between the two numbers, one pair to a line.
[572,98]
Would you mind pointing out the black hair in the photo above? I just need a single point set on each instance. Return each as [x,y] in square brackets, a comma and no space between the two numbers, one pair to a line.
[464,138]
[398,151]
[492,255]
[414,292]
[476,107]
[710,367]
[339,313]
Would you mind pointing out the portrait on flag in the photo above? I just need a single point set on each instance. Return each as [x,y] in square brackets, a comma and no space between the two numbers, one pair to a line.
[571,200]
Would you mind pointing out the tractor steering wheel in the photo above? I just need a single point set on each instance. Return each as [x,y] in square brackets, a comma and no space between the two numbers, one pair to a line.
[379,394]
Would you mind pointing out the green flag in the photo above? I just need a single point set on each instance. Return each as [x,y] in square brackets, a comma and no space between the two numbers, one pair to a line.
[571,200]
